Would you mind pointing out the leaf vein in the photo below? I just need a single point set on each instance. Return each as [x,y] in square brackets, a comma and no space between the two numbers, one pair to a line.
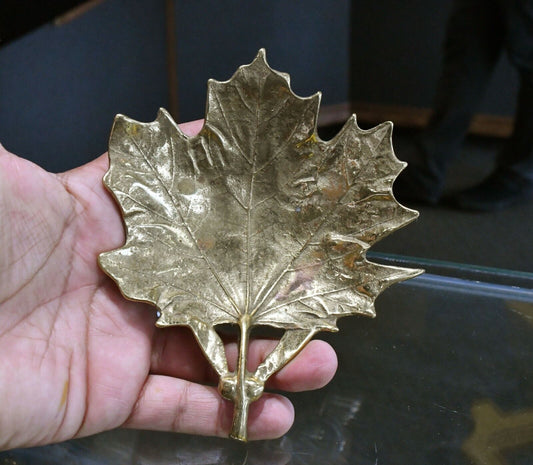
[188,229]
[228,125]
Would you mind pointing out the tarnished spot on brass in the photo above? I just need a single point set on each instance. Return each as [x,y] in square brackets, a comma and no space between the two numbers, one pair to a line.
[64,394]
[254,221]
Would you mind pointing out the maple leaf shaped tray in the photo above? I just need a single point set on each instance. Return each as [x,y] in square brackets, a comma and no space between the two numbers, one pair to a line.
[254,221]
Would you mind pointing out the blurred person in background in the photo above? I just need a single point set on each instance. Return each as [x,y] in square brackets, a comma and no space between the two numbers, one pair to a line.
[478,31]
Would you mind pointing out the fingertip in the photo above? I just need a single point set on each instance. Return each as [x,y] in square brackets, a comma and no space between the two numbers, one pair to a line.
[271,417]
[325,362]
[312,369]
[192,128]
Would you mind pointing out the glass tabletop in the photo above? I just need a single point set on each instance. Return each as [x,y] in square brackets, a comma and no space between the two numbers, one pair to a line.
[442,375]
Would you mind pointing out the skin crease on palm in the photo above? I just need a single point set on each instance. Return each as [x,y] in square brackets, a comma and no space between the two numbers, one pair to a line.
[76,358]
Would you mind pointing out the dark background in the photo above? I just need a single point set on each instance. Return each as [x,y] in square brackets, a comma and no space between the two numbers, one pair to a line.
[60,86]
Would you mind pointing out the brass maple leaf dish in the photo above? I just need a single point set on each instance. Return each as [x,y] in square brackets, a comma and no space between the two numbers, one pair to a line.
[254,221]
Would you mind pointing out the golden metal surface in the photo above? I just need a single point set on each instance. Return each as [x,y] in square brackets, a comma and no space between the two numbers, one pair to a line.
[254,221]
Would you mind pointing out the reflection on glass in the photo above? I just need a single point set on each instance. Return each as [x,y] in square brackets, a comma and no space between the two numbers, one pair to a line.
[497,432]
[403,394]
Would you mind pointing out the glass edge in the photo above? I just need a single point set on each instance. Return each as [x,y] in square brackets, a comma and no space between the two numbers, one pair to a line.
[465,271]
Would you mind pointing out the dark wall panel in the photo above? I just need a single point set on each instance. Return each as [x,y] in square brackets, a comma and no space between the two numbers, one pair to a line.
[60,87]
[308,40]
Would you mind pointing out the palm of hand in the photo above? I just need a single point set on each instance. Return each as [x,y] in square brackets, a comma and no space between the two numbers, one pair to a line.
[76,358]
[69,339]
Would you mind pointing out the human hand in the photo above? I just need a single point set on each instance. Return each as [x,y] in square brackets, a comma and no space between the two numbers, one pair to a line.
[76,358]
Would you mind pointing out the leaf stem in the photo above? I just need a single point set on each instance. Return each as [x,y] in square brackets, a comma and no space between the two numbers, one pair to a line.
[242,399]
[292,342]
